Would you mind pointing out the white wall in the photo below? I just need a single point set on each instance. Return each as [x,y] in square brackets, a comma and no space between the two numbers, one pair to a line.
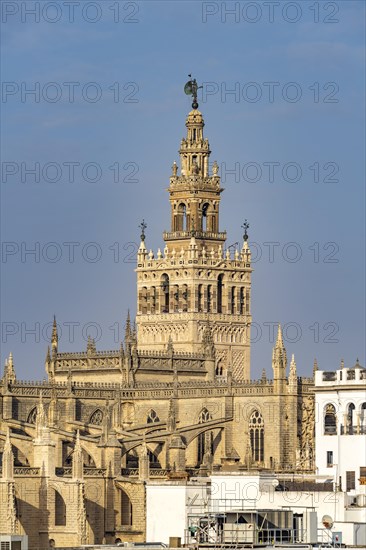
[166,512]
[349,451]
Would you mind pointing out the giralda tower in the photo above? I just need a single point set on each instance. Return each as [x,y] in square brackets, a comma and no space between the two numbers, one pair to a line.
[195,290]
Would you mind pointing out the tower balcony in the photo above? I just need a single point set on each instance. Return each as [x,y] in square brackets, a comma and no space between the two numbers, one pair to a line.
[177,235]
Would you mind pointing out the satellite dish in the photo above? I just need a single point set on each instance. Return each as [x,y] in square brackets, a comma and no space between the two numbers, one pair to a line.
[188,88]
[275,483]
[327,521]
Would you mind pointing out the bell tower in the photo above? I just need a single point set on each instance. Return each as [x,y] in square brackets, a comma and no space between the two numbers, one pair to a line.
[196,284]
[195,194]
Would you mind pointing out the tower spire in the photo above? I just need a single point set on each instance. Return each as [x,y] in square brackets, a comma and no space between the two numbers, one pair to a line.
[279,362]
[128,332]
[279,342]
[54,339]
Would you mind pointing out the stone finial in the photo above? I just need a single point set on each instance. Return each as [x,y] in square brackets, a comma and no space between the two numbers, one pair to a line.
[42,429]
[144,466]
[174,169]
[159,254]
[128,333]
[54,338]
[53,408]
[264,376]
[215,168]
[77,459]
[342,364]
[293,371]
[279,342]
[171,421]
[90,347]
[151,255]
[315,367]
[8,458]
[9,371]
[166,251]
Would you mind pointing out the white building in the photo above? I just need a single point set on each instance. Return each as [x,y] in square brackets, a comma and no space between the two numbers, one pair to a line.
[340,428]
[239,506]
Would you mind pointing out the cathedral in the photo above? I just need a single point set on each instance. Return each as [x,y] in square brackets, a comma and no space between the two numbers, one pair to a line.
[175,401]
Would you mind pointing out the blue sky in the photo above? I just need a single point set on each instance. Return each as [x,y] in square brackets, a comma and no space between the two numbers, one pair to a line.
[128,111]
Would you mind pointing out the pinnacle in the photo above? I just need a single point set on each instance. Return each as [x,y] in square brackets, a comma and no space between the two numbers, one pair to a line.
[279,337]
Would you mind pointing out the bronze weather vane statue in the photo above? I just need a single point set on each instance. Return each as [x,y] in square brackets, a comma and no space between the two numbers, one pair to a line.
[191,88]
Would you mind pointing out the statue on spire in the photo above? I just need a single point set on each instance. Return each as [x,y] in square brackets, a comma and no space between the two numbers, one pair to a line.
[143,226]
[245,226]
[191,88]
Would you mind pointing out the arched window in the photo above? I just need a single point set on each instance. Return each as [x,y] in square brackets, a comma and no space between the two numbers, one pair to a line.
[209,298]
[256,433]
[199,298]
[96,418]
[219,293]
[152,417]
[241,300]
[165,290]
[185,298]
[205,209]
[153,299]
[350,419]
[330,420]
[214,224]
[132,459]
[32,416]
[153,460]
[60,509]
[143,303]
[205,440]
[363,418]
[232,299]
[182,218]
[126,510]
[176,298]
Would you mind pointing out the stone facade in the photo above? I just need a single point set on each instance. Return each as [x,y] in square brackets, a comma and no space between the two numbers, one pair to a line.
[175,400]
